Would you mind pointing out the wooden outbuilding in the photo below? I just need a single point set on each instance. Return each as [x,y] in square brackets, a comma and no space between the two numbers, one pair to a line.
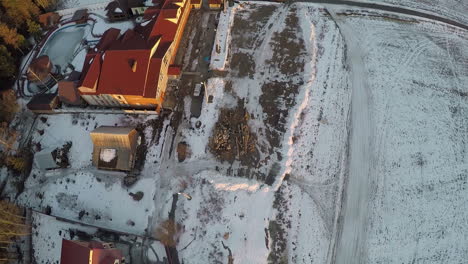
[80,16]
[68,89]
[114,147]
[43,103]
[215,4]
[40,72]
[124,9]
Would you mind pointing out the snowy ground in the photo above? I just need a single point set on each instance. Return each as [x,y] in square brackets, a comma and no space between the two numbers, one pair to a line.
[83,193]
[414,73]
[47,235]
[324,90]
[453,9]
[248,216]
[392,82]
[48,232]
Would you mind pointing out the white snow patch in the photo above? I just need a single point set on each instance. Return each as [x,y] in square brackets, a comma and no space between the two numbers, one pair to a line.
[107,155]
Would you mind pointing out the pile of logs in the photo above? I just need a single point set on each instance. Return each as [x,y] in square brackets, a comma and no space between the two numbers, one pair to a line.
[232,134]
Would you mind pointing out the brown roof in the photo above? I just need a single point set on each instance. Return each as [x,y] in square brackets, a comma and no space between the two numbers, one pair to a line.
[80,14]
[109,37]
[68,92]
[39,68]
[45,102]
[123,140]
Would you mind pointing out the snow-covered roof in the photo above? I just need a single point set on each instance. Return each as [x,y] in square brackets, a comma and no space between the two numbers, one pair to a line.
[113,130]
[44,160]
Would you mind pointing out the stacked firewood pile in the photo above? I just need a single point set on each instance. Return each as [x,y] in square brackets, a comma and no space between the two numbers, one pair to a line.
[232,137]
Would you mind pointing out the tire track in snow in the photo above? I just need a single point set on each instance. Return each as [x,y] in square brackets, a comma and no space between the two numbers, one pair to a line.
[351,241]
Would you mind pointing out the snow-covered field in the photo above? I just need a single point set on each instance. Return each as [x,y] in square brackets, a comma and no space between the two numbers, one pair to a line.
[402,78]
[415,74]
[453,9]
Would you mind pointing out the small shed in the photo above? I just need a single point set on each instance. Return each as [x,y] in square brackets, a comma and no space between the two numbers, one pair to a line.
[115,11]
[196,4]
[68,89]
[139,10]
[124,9]
[45,160]
[114,147]
[43,103]
[215,4]
[92,252]
[80,16]
[174,70]
[68,93]
[40,69]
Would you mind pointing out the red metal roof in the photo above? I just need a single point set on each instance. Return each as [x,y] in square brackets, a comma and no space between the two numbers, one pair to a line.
[174,70]
[106,256]
[151,12]
[127,66]
[76,252]
[92,74]
[124,72]
[107,39]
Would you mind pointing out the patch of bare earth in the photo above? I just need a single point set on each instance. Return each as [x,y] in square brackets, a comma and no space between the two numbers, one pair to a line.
[248,32]
[278,96]
[278,228]
[255,29]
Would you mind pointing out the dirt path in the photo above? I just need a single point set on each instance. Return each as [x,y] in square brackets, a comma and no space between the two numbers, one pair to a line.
[349,248]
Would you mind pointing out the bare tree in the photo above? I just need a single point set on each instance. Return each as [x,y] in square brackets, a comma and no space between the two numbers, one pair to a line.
[12,226]
[168,232]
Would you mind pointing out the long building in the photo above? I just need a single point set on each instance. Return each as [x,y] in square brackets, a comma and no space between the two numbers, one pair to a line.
[131,69]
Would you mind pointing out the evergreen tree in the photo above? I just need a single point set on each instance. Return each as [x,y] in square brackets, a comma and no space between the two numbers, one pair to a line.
[168,232]
[45,4]
[12,225]
[7,64]
[9,106]
[20,10]
[11,37]
[16,163]
[8,109]
[34,29]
